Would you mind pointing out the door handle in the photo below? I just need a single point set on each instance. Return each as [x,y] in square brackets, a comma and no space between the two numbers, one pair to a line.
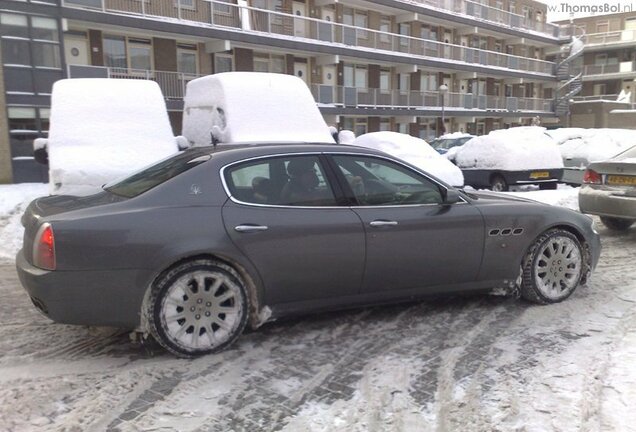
[379,223]
[249,228]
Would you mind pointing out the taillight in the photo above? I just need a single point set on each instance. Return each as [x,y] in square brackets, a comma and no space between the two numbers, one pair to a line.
[591,177]
[44,248]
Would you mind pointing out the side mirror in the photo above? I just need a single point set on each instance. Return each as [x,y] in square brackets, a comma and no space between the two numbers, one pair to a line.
[40,150]
[452,197]
[182,142]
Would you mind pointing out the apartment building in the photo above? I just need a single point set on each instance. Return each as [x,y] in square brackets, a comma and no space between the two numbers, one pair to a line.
[420,67]
[608,63]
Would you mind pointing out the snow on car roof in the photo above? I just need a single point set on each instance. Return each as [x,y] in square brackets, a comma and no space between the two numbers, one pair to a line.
[104,128]
[515,149]
[415,151]
[241,107]
[594,144]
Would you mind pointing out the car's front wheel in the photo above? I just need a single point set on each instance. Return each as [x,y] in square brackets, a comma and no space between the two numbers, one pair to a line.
[552,268]
[198,307]
[617,224]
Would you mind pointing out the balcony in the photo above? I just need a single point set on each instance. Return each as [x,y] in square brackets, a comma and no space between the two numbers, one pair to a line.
[609,71]
[173,86]
[354,97]
[485,13]
[613,38]
[237,20]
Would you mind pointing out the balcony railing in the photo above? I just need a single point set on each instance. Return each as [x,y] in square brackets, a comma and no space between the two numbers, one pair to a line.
[610,97]
[490,14]
[606,69]
[279,24]
[365,97]
[620,36]
[172,84]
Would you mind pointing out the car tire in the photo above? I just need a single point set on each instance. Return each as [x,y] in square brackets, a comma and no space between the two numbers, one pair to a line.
[617,224]
[498,184]
[198,307]
[552,268]
[548,186]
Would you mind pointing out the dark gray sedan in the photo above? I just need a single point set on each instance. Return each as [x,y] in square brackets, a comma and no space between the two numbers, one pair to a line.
[196,247]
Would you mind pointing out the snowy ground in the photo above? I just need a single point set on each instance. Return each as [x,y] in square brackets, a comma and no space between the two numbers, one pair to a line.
[463,363]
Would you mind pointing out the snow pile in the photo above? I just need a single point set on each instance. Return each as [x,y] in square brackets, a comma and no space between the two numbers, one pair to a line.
[564,196]
[415,151]
[103,129]
[595,144]
[515,149]
[14,200]
[249,107]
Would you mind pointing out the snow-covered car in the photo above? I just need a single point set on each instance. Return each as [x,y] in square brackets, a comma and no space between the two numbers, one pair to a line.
[579,147]
[251,107]
[102,129]
[609,190]
[415,151]
[196,247]
[516,156]
[448,141]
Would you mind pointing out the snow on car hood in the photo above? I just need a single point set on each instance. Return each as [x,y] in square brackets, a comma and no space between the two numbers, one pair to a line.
[514,149]
[415,151]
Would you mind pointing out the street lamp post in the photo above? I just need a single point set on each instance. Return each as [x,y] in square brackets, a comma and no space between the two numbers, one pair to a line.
[443,89]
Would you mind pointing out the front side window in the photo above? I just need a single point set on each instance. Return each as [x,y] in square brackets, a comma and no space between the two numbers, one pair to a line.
[286,181]
[379,182]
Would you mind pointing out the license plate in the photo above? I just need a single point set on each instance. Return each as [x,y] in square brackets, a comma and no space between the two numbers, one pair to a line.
[621,180]
[539,174]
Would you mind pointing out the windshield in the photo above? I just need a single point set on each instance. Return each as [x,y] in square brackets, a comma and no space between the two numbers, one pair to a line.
[154,175]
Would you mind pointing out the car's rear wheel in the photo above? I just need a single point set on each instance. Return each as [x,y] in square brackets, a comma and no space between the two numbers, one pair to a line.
[498,184]
[552,268]
[198,307]
[617,224]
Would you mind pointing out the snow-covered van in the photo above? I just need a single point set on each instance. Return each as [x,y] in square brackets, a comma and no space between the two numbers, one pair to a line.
[102,129]
[251,107]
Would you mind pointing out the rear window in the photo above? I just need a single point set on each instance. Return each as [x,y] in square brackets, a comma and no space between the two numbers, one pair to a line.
[154,175]
[627,155]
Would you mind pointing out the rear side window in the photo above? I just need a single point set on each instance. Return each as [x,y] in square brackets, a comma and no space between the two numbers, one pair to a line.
[283,180]
[154,175]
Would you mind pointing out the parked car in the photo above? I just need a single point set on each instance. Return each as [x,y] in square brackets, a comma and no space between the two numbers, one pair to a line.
[196,247]
[609,190]
[446,142]
[516,156]
[103,129]
[580,147]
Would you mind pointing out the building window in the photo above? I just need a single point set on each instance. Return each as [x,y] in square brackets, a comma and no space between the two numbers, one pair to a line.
[15,52]
[277,64]
[355,76]
[46,55]
[385,80]
[385,27]
[261,64]
[428,82]
[404,81]
[14,25]
[115,51]
[45,29]
[602,27]
[187,59]
[222,63]
[599,89]
[360,19]
[140,54]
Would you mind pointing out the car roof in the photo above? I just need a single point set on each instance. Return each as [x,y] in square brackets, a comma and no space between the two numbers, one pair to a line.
[231,153]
